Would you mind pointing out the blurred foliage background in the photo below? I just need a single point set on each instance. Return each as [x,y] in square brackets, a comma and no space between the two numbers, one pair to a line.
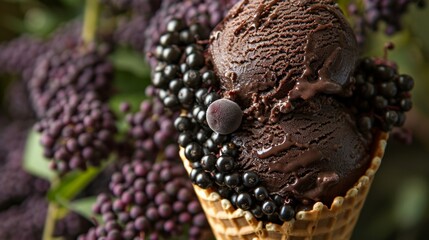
[398,204]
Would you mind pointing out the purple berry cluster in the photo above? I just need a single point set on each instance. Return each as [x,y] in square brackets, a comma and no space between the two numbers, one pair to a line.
[76,69]
[150,201]
[77,132]
[375,12]
[152,131]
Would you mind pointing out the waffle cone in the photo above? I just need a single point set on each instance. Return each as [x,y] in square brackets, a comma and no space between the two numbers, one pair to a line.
[336,222]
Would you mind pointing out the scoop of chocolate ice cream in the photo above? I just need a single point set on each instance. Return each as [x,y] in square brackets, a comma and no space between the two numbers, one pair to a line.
[313,153]
[269,52]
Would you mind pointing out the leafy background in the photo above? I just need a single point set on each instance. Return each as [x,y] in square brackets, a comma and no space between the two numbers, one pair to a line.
[398,204]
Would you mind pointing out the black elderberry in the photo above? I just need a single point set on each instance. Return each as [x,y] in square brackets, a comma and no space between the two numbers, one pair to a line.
[218,138]
[405,82]
[209,79]
[200,95]
[391,117]
[384,72]
[234,199]
[250,179]
[269,207]
[406,104]
[401,119]
[192,79]
[193,48]
[175,25]
[171,54]
[171,101]
[208,162]
[159,81]
[202,136]
[260,193]
[229,149]
[198,31]
[220,179]
[210,145]
[184,68]
[186,96]
[201,116]
[186,37]
[380,102]
[175,85]
[194,152]
[169,39]
[257,212]
[225,192]
[195,60]
[244,201]
[196,110]
[203,180]
[185,138]
[194,173]
[232,180]
[286,213]
[171,71]
[388,89]
[225,164]
[279,200]
[182,124]
[210,98]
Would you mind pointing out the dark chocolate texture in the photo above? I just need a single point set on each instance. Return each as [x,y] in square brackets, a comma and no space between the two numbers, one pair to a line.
[269,52]
[313,153]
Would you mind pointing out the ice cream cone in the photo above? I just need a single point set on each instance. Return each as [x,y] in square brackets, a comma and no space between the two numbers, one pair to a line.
[322,222]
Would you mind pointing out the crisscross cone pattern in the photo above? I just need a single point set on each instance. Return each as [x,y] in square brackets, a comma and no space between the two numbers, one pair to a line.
[335,223]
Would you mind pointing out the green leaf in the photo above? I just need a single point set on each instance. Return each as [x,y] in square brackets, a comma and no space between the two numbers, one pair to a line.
[72,184]
[34,161]
[130,61]
[83,206]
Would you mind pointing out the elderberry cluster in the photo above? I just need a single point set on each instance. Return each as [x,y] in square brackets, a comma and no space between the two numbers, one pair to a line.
[382,96]
[179,75]
[72,69]
[77,131]
[375,12]
[150,201]
[151,131]
[185,81]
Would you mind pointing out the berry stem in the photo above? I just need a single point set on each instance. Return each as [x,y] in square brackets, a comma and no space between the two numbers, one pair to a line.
[92,9]
[51,217]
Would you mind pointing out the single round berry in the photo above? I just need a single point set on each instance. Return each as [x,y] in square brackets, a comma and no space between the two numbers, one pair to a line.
[192,79]
[260,193]
[194,152]
[224,116]
[225,164]
[244,201]
[208,162]
[195,60]
[186,96]
[171,54]
[257,211]
[250,179]
[175,25]
[405,82]
[183,124]
[269,207]
[232,180]
[203,180]
[286,213]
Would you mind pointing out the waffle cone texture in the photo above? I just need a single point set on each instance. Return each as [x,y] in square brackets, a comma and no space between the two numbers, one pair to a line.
[322,222]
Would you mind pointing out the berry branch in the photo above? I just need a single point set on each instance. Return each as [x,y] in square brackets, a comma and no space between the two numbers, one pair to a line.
[92,9]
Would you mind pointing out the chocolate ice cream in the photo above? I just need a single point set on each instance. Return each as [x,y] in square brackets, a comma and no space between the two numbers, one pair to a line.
[313,153]
[269,52]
